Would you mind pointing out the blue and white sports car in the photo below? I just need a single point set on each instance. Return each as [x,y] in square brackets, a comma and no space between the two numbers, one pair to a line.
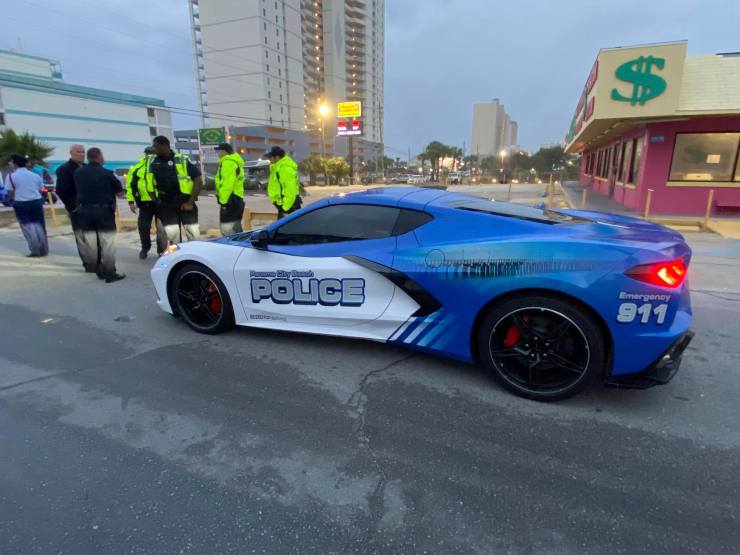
[546,300]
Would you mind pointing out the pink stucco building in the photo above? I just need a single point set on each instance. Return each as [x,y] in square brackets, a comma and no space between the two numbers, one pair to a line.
[650,118]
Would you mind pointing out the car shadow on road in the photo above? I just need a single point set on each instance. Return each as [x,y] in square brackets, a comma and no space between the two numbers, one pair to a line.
[439,373]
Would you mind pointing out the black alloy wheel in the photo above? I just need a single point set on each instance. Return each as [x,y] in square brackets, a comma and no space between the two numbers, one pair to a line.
[541,348]
[201,299]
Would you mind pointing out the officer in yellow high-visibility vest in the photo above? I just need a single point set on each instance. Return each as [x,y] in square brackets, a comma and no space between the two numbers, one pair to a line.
[229,183]
[283,189]
[142,198]
[177,182]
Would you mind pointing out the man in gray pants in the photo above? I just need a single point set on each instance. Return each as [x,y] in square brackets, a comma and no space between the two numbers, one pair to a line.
[97,189]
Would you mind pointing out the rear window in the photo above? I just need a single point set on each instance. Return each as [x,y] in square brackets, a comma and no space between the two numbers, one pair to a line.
[519,211]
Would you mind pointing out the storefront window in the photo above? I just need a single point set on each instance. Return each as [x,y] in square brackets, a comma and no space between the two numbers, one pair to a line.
[636,156]
[705,157]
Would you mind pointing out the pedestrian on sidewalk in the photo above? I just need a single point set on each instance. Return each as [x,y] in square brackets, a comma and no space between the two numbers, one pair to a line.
[283,187]
[24,189]
[177,182]
[142,198]
[230,189]
[97,189]
[67,191]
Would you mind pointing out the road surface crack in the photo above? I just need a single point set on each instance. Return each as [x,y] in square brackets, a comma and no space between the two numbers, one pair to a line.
[357,404]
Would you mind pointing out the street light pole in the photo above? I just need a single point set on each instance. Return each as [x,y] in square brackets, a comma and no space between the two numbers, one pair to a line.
[323,141]
[323,112]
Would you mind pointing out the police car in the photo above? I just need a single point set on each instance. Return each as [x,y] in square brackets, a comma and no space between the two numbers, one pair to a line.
[547,301]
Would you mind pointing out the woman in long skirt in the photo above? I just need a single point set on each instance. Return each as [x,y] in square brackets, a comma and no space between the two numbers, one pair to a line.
[24,187]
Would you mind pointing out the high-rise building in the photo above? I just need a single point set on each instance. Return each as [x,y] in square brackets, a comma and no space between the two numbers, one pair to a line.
[275,62]
[493,129]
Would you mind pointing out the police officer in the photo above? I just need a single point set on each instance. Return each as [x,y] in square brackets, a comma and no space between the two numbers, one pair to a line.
[230,189]
[142,197]
[97,189]
[177,182]
[283,187]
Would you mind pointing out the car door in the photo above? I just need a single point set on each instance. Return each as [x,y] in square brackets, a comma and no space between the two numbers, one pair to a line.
[308,276]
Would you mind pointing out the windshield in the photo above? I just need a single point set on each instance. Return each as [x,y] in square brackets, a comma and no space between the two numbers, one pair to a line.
[506,209]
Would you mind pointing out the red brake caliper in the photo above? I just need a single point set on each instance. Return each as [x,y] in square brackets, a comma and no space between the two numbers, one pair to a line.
[215,303]
[513,335]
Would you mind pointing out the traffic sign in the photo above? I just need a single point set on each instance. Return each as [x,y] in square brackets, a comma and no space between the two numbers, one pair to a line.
[211,136]
[351,109]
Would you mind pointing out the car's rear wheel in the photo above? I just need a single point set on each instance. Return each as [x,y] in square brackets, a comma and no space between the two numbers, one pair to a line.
[201,299]
[541,347]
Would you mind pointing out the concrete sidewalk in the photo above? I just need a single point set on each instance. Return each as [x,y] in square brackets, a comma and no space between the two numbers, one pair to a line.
[573,192]
[728,227]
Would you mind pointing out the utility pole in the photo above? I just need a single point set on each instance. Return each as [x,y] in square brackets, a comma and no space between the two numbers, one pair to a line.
[351,161]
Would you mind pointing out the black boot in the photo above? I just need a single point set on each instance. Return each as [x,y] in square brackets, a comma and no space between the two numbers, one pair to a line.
[143,254]
[114,277]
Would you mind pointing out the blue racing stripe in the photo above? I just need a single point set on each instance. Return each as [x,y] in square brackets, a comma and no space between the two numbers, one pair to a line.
[434,322]
[428,340]
[410,329]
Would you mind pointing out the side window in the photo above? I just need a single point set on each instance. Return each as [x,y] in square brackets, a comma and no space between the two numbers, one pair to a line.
[332,224]
[409,220]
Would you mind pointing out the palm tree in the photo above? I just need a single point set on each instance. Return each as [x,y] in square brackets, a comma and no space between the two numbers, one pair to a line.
[434,152]
[456,153]
[313,166]
[24,144]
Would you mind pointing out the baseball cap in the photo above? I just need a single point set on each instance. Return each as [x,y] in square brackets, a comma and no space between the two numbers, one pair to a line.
[274,151]
[226,147]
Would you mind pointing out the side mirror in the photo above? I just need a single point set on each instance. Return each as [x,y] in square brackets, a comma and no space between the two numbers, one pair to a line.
[260,239]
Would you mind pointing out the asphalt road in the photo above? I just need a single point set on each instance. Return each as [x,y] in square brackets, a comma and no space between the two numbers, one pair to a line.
[121,431]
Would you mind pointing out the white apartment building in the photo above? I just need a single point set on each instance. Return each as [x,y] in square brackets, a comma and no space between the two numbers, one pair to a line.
[493,129]
[274,62]
[34,98]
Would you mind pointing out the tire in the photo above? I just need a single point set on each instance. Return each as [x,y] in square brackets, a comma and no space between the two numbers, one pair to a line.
[200,298]
[541,347]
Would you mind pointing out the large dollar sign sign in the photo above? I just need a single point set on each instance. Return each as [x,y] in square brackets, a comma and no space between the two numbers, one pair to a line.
[645,85]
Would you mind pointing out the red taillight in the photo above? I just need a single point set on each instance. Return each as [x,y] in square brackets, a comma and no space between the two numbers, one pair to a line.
[665,274]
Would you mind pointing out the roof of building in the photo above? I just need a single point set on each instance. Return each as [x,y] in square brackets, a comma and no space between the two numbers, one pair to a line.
[711,83]
[23,55]
[18,80]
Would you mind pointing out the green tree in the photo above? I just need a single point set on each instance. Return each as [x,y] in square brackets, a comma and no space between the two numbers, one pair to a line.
[433,153]
[456,153]
[380,164]
[490,165]
[337,168]
[24,144]
[547,160]
[470,161]
[312,166]
[520,161]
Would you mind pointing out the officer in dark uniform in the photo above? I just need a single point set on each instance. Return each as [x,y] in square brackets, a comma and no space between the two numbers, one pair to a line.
[68,193]
[97,189]
[178,183]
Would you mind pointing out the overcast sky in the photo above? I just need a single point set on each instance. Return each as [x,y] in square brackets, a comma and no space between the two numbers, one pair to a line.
[441,55]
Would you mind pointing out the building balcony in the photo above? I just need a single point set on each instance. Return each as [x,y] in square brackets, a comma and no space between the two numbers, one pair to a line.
[357,4]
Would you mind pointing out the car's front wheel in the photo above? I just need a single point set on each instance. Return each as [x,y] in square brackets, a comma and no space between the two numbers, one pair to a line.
[541,347]
[201,299]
